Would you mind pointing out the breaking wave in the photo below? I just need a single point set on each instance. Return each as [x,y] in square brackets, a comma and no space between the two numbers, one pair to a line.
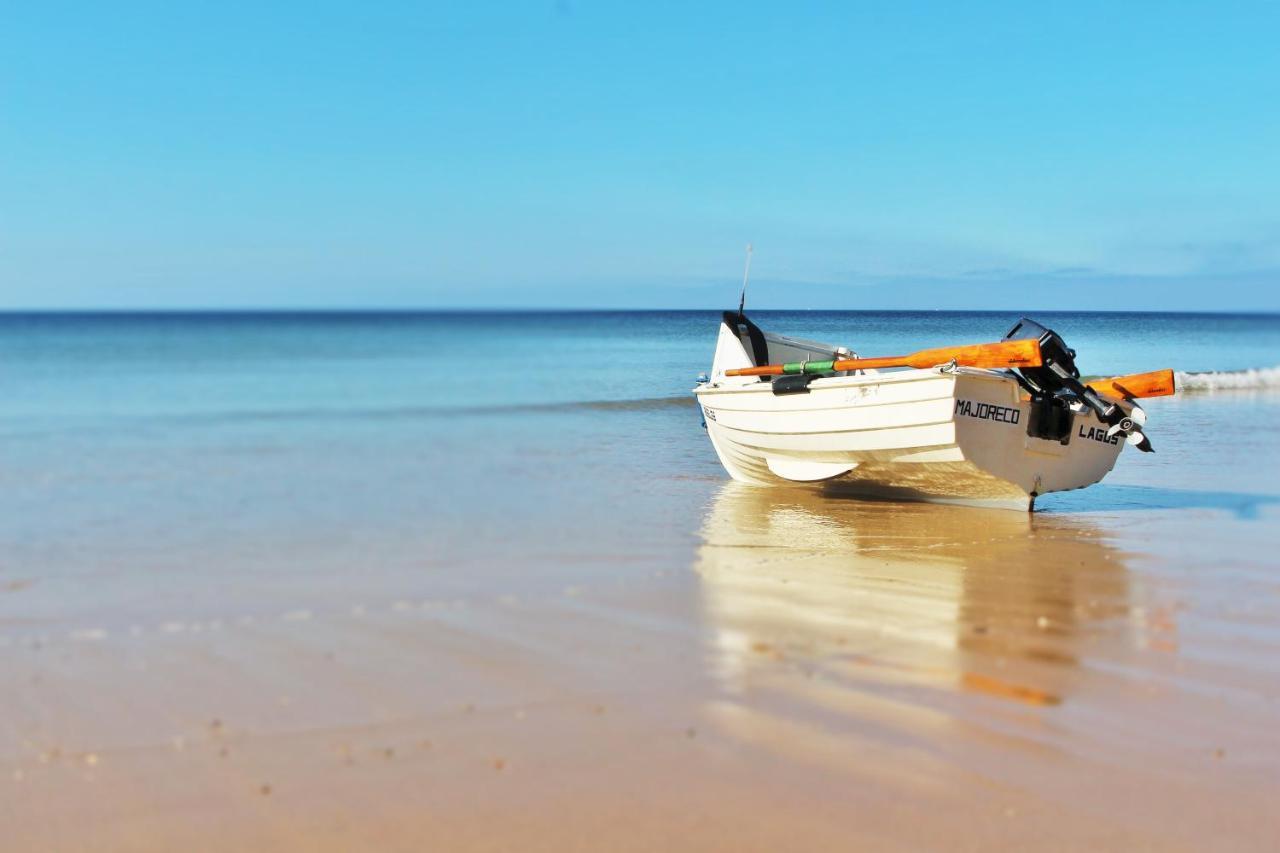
[1258,379]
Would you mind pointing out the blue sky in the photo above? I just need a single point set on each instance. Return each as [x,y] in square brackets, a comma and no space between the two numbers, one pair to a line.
[590,154]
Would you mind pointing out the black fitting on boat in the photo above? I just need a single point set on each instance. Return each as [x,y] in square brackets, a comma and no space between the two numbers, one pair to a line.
[1051,419]
[797,383]
[737,321]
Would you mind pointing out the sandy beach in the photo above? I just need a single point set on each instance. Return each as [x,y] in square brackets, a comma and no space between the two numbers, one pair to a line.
[820,671]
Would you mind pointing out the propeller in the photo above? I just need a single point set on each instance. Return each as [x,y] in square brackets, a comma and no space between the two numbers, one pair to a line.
[1130,426]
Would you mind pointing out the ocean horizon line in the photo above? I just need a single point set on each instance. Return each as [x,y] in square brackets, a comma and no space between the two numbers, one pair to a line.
[373,311]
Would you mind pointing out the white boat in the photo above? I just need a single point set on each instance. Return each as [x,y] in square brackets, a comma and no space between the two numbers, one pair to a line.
[945,433]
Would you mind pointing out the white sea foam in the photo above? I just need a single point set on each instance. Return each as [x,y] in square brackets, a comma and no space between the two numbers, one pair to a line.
[1261,379]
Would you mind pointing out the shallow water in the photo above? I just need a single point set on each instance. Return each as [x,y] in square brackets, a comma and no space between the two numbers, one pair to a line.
[273,520]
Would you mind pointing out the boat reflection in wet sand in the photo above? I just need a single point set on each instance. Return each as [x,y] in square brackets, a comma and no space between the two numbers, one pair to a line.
[895,613]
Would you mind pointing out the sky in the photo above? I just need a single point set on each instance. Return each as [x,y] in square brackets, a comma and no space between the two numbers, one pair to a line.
[586,154]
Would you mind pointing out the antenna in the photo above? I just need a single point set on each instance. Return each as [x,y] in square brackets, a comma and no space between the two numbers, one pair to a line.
[746,274]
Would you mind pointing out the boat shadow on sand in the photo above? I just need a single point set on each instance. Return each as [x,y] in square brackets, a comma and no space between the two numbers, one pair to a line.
[825,613]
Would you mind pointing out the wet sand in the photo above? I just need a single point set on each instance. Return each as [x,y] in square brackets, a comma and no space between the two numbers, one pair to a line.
[800,670]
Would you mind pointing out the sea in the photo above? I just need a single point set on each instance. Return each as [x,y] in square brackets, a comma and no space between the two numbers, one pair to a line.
[154,464]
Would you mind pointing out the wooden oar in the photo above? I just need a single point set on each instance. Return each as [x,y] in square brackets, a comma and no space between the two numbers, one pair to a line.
[1158,383]
[994,356]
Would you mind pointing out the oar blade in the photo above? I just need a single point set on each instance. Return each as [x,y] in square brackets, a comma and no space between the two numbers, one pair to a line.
[993,356]
[1158,383]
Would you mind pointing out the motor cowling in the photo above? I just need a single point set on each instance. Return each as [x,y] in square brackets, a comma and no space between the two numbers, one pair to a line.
[1057,381]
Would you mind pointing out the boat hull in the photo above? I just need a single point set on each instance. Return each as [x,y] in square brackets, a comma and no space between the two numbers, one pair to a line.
[951,436]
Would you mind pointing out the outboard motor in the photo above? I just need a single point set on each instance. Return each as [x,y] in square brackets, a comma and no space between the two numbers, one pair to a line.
[1056,384]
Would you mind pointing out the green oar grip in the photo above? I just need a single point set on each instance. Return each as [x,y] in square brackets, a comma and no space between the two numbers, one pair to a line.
[808,367]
